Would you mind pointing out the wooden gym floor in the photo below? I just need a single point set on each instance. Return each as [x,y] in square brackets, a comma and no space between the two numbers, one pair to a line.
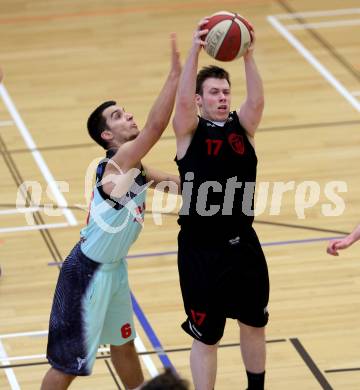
[61,58]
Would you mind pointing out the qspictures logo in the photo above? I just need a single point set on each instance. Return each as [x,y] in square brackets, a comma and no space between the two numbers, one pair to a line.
[263,198]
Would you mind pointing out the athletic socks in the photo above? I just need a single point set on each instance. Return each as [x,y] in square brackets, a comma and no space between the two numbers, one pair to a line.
[255,381]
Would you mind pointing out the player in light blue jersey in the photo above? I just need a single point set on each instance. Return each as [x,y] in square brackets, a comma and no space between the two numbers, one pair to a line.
[92,302]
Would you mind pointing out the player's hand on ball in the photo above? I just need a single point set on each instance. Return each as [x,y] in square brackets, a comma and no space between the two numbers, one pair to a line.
[200,32]
[251,48]
[229,36]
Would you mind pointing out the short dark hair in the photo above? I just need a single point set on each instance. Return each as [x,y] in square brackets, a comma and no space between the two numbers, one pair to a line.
[166,381]
[96,123]
[210,71]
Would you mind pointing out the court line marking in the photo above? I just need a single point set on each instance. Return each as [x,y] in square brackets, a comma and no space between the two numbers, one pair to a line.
[24,334]
[150,333]
[34,227]
[335,12]
[140,347]
[313,61]
[343,23]
[107,350]
[9,372]
[274,243]
[303,126]
[22,357]
[29,141]
[336,370]
[303,241]
[6,123]
[24,210]
[20,210]
[310,364]
[5,360]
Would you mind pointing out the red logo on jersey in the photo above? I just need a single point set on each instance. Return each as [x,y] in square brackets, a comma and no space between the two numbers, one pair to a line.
[139,210]
[237,143]
[198,317]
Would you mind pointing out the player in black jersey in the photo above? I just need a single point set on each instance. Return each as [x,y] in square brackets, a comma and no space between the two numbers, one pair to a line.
[222,269]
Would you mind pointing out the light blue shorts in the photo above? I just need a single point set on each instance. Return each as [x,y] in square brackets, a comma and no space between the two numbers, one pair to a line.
[92,306]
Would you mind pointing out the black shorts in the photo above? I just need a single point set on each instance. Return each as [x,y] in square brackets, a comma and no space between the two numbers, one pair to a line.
[219,279]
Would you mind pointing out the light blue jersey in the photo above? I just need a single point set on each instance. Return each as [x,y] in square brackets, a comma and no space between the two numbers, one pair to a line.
[113,227]
[92,303]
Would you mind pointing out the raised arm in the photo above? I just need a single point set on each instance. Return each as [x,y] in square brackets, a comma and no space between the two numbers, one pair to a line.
[251,110]
[343,243]
[120,173]
[156,177]
[185,118]
[130,154]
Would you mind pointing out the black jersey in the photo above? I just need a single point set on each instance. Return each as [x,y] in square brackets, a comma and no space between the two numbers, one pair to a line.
[218,175]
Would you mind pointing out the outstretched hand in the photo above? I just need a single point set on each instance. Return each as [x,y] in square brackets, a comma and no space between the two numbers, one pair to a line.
[200,32]
[175,55]
[251,48]
[336,245]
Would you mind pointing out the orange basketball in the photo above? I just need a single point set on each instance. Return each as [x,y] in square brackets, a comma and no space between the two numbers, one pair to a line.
[228,37]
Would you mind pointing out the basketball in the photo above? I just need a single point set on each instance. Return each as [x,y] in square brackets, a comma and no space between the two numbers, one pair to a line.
[228,37]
